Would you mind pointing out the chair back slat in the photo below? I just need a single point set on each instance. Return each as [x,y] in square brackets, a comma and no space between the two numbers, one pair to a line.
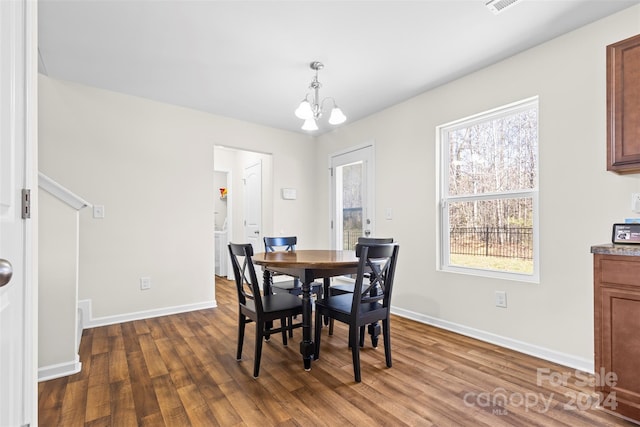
[272,244]
[370,289]
[374,240]
[377,264]
[244,272]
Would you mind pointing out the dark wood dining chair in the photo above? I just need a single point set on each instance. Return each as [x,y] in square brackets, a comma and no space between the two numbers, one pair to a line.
[360,308]
[347,288]
[272,244]
[261,309]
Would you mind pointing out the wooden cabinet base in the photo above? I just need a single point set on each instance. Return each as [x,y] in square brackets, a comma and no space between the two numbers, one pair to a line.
[617,342]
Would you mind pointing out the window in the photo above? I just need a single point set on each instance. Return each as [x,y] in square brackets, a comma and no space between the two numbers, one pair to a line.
[489,193]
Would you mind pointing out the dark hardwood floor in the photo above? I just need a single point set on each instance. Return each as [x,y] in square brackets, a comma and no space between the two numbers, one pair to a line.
[181,370]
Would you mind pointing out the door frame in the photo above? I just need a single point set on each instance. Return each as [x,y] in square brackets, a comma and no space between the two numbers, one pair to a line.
[371,173]
[23,117]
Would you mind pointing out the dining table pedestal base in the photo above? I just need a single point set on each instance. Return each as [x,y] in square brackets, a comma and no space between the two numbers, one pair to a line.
[307,347]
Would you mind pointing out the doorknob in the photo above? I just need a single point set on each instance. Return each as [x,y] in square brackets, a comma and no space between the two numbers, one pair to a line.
[6,271]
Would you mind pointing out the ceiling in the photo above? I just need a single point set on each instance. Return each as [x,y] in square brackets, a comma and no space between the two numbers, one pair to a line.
[249,60]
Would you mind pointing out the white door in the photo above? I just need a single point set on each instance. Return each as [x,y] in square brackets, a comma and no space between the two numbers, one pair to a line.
[253,206]
[18,99]
[352,183]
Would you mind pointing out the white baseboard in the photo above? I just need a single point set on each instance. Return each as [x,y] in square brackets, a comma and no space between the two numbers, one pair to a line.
[88,321]
[51,372]
[569,360]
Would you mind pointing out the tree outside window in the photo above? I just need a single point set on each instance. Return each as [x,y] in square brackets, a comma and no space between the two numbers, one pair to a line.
[489,192]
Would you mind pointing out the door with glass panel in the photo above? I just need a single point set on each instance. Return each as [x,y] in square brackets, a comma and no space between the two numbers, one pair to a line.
[352,183]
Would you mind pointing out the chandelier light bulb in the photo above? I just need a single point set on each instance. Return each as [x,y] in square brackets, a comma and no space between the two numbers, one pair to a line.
[337,116]
[304,111]
[310,124]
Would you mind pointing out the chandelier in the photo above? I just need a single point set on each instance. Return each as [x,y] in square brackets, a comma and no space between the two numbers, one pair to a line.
[311,108]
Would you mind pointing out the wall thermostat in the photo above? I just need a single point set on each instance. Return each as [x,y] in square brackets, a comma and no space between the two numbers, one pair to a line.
[289,193]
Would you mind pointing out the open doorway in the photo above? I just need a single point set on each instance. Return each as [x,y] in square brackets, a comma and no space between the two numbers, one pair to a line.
[243,201]
[221,215]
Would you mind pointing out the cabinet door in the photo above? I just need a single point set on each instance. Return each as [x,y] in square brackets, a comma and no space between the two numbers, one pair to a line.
[620,349]
[623,106]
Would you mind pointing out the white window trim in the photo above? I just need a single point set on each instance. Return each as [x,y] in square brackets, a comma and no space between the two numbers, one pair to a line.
[443,179]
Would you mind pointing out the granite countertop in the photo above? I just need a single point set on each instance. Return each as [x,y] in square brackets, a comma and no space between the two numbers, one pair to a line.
[616,249]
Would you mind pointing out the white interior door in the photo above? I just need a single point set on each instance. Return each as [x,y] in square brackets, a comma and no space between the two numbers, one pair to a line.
[17,99]
[253,206]
[352,184]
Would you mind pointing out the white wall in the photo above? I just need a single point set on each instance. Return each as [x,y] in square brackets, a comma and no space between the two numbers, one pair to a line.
[57,281]
[151,165]
[579,199]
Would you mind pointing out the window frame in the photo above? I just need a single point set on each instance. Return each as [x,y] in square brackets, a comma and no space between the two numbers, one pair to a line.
[442,172]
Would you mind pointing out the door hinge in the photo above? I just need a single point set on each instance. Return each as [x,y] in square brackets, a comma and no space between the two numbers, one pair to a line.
[26,203]
[332,224]
[331,171]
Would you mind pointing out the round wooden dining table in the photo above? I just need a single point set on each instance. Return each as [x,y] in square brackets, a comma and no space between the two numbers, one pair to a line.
[307,265]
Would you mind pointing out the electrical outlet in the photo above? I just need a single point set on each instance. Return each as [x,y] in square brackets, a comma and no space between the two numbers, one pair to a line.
[635,202]
[501,299]
[145,283]
[98,211]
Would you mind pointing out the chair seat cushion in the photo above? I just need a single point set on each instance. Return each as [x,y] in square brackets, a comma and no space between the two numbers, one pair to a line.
[343,302]
[280,302]
[344,288]
[277,302]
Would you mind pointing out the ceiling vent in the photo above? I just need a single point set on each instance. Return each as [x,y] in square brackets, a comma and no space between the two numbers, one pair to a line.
[497,6]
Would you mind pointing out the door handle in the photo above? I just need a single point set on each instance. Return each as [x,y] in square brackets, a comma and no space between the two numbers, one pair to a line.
[6,271]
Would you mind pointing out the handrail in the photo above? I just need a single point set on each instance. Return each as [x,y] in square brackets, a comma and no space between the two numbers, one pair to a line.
[59,191]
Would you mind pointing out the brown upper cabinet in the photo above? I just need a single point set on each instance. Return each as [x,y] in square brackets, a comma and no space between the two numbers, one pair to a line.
[623,106]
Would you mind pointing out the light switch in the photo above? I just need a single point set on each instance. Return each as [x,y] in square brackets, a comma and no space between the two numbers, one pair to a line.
[388,213]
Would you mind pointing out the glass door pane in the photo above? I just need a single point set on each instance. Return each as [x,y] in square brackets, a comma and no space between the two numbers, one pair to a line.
[352,201]
[351,204]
